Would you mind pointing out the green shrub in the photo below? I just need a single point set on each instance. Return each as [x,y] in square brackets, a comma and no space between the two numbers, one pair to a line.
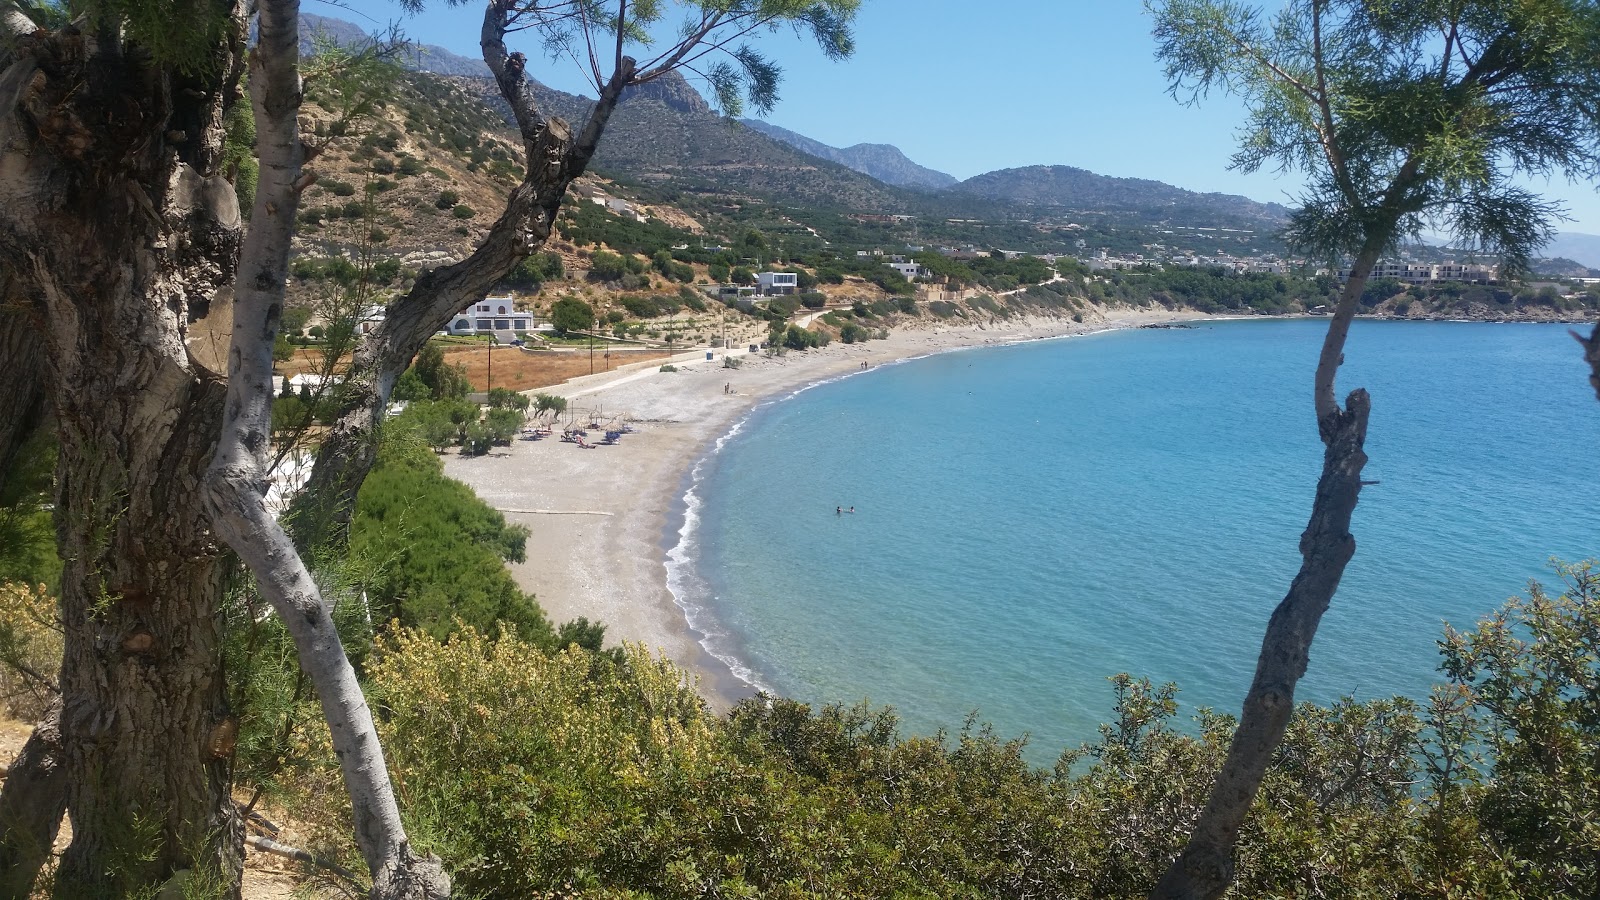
[571,314]
[463,211]
[437,552]
[447,199]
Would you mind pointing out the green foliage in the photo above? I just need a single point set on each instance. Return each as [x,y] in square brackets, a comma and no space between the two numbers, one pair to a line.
[27,535]
[239,152]
[504,398]
[993,272]
[851,333]
[571,314]
[534,270]
[506,747]
[184,34]
[692,298]
[1404,115]
[502,425]
[1530,676]
[440,380]
[643,307]
[592,225]
[797,338]
[437,552]
[463,211]
[294,320]
[344,272]
[549,403]
[1379,290]
[409,386]
[447,199]
[607,266]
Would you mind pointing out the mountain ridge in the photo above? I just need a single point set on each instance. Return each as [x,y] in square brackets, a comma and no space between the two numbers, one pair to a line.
[417,56]
[885,162]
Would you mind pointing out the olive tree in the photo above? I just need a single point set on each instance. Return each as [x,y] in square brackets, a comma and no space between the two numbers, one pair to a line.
[1402,116]
[120,227]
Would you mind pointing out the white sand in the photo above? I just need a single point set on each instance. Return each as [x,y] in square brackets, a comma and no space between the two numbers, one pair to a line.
[599,518]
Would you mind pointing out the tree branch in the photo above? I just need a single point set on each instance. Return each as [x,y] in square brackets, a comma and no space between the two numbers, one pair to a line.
[1591,355]
[233,490]
[1329,135]
[508,70]
[14,24]
[268,845]
[31,806]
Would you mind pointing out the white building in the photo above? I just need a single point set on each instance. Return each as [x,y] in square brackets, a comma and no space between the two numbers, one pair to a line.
[911,270]
[492,314]
[1422,273]
[771,283]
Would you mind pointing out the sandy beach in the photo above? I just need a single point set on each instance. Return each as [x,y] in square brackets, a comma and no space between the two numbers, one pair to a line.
[600,518]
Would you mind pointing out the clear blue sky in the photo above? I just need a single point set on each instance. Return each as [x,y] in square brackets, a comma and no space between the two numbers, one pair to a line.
[967,88]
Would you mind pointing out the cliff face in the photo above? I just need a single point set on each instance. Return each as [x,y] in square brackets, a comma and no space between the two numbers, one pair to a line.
[672,91]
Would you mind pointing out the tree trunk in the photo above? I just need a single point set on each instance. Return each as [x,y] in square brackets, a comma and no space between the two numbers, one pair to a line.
[554,159]
[1591,355]
[233,496]
[31,807]
[22,400]
[1205,868]
[115,220]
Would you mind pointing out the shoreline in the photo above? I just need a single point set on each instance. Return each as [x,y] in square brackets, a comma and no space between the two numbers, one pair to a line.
[603,523]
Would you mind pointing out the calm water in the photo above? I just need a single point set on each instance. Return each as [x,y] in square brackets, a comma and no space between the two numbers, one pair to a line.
[1032,519]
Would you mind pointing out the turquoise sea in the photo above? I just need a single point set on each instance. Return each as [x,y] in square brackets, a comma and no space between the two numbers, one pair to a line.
[1034,518]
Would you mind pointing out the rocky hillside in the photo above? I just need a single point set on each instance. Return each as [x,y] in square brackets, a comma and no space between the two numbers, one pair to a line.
[884,162]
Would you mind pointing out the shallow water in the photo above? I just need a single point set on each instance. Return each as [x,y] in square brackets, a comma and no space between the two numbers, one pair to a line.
[1032,519]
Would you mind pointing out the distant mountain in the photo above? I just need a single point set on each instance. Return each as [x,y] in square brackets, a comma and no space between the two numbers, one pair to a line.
[884,162]
[663,133]
[420,57]
[1561,267]
[1069,189]
[1584,248]
[665,141]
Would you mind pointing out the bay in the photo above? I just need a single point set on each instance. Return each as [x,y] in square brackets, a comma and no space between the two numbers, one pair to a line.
[1032,519]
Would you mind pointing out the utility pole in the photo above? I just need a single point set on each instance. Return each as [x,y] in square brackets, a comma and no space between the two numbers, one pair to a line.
[592,321]
[490,385]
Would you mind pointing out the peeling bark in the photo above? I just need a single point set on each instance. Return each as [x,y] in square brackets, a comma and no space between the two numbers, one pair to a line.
[31,807]
[1206,867]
